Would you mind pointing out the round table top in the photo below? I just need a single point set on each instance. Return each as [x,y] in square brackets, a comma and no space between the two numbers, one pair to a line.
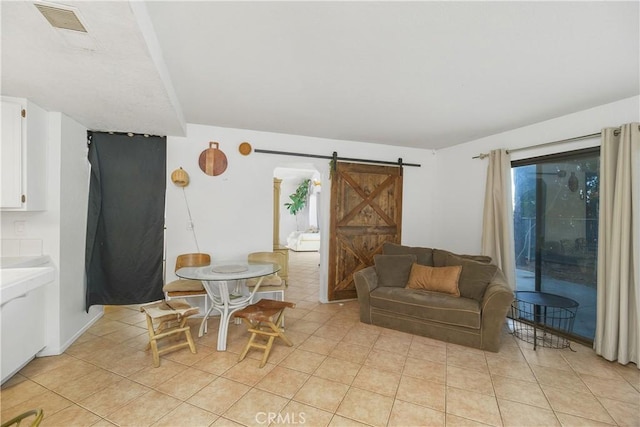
[228,271]
[545,299]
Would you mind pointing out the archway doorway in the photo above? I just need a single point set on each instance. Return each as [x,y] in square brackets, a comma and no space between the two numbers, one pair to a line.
[297,232]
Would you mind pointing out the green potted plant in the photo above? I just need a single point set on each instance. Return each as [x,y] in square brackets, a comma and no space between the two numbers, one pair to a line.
[299,198]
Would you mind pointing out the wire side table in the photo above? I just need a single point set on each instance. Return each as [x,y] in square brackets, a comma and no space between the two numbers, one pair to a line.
[539,316]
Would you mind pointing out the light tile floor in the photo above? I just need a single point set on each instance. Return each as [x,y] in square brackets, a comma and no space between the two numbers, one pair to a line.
[339,373]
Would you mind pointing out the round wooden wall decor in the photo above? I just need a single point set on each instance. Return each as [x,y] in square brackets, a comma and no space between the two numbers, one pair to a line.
[212,161]
[245,148]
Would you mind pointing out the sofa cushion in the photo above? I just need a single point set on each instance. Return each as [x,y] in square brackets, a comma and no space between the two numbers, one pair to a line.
[435,279]
[439,256]
[474,278]
[393,270]
[424,255]
[433,306]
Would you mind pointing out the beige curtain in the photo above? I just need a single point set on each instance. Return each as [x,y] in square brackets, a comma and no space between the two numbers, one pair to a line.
[497,221]
[618,304]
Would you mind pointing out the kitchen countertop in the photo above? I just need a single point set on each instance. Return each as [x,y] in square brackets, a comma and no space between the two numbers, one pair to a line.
[24,261]
[21,275]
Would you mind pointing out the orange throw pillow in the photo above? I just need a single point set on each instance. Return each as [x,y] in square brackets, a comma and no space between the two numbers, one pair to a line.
[435,279]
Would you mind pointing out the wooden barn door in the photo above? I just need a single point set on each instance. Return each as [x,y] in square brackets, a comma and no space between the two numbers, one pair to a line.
[366,211]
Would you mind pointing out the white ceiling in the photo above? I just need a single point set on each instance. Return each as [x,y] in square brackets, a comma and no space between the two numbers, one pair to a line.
[421,74]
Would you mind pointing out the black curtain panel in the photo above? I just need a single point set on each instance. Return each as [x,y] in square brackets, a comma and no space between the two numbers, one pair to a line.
[125,224]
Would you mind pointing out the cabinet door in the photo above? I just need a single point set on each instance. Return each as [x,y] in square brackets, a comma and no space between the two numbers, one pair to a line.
[11,155]
[22,324]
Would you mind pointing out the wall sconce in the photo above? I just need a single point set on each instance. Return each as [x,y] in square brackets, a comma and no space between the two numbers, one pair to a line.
[180,177]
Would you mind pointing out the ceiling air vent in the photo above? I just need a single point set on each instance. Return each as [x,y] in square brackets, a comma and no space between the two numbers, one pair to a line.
[61,18]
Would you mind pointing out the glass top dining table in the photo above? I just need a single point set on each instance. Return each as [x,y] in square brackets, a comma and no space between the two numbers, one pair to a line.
[226,289]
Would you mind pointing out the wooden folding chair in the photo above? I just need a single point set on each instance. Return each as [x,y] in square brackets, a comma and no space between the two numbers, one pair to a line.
[172,318]
[264,319]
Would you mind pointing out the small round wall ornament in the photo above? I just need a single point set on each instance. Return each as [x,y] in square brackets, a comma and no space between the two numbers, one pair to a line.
[244,148]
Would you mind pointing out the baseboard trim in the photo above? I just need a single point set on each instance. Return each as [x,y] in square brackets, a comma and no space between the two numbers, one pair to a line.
[56,351]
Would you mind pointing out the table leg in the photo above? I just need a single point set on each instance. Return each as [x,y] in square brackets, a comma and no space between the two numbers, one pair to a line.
[222,331]
[203,324]
[226,309]
[206,309]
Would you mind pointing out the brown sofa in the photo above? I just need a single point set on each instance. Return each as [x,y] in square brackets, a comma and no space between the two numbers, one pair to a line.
[474,318]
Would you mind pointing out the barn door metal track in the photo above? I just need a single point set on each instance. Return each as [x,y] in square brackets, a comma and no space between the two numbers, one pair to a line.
[335,157]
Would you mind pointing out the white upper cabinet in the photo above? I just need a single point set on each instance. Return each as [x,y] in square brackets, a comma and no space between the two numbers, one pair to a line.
[11,155]
[23,154]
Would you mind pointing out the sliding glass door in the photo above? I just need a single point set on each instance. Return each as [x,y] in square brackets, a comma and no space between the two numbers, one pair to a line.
[556,229]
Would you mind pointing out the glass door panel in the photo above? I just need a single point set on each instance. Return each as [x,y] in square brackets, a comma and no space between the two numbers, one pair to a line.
[556,229]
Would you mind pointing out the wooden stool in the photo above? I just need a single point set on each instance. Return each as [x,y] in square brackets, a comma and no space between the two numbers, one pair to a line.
[260,319]
[167,313]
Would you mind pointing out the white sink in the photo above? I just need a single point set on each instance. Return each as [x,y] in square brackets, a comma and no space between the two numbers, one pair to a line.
[17,282]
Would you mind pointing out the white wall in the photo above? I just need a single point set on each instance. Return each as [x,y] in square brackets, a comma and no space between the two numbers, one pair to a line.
[233,212]
[62,228]
[74,191]
[461,180]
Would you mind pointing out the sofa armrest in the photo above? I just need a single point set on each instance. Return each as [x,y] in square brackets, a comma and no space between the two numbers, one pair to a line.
[495,305]
[366,280]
